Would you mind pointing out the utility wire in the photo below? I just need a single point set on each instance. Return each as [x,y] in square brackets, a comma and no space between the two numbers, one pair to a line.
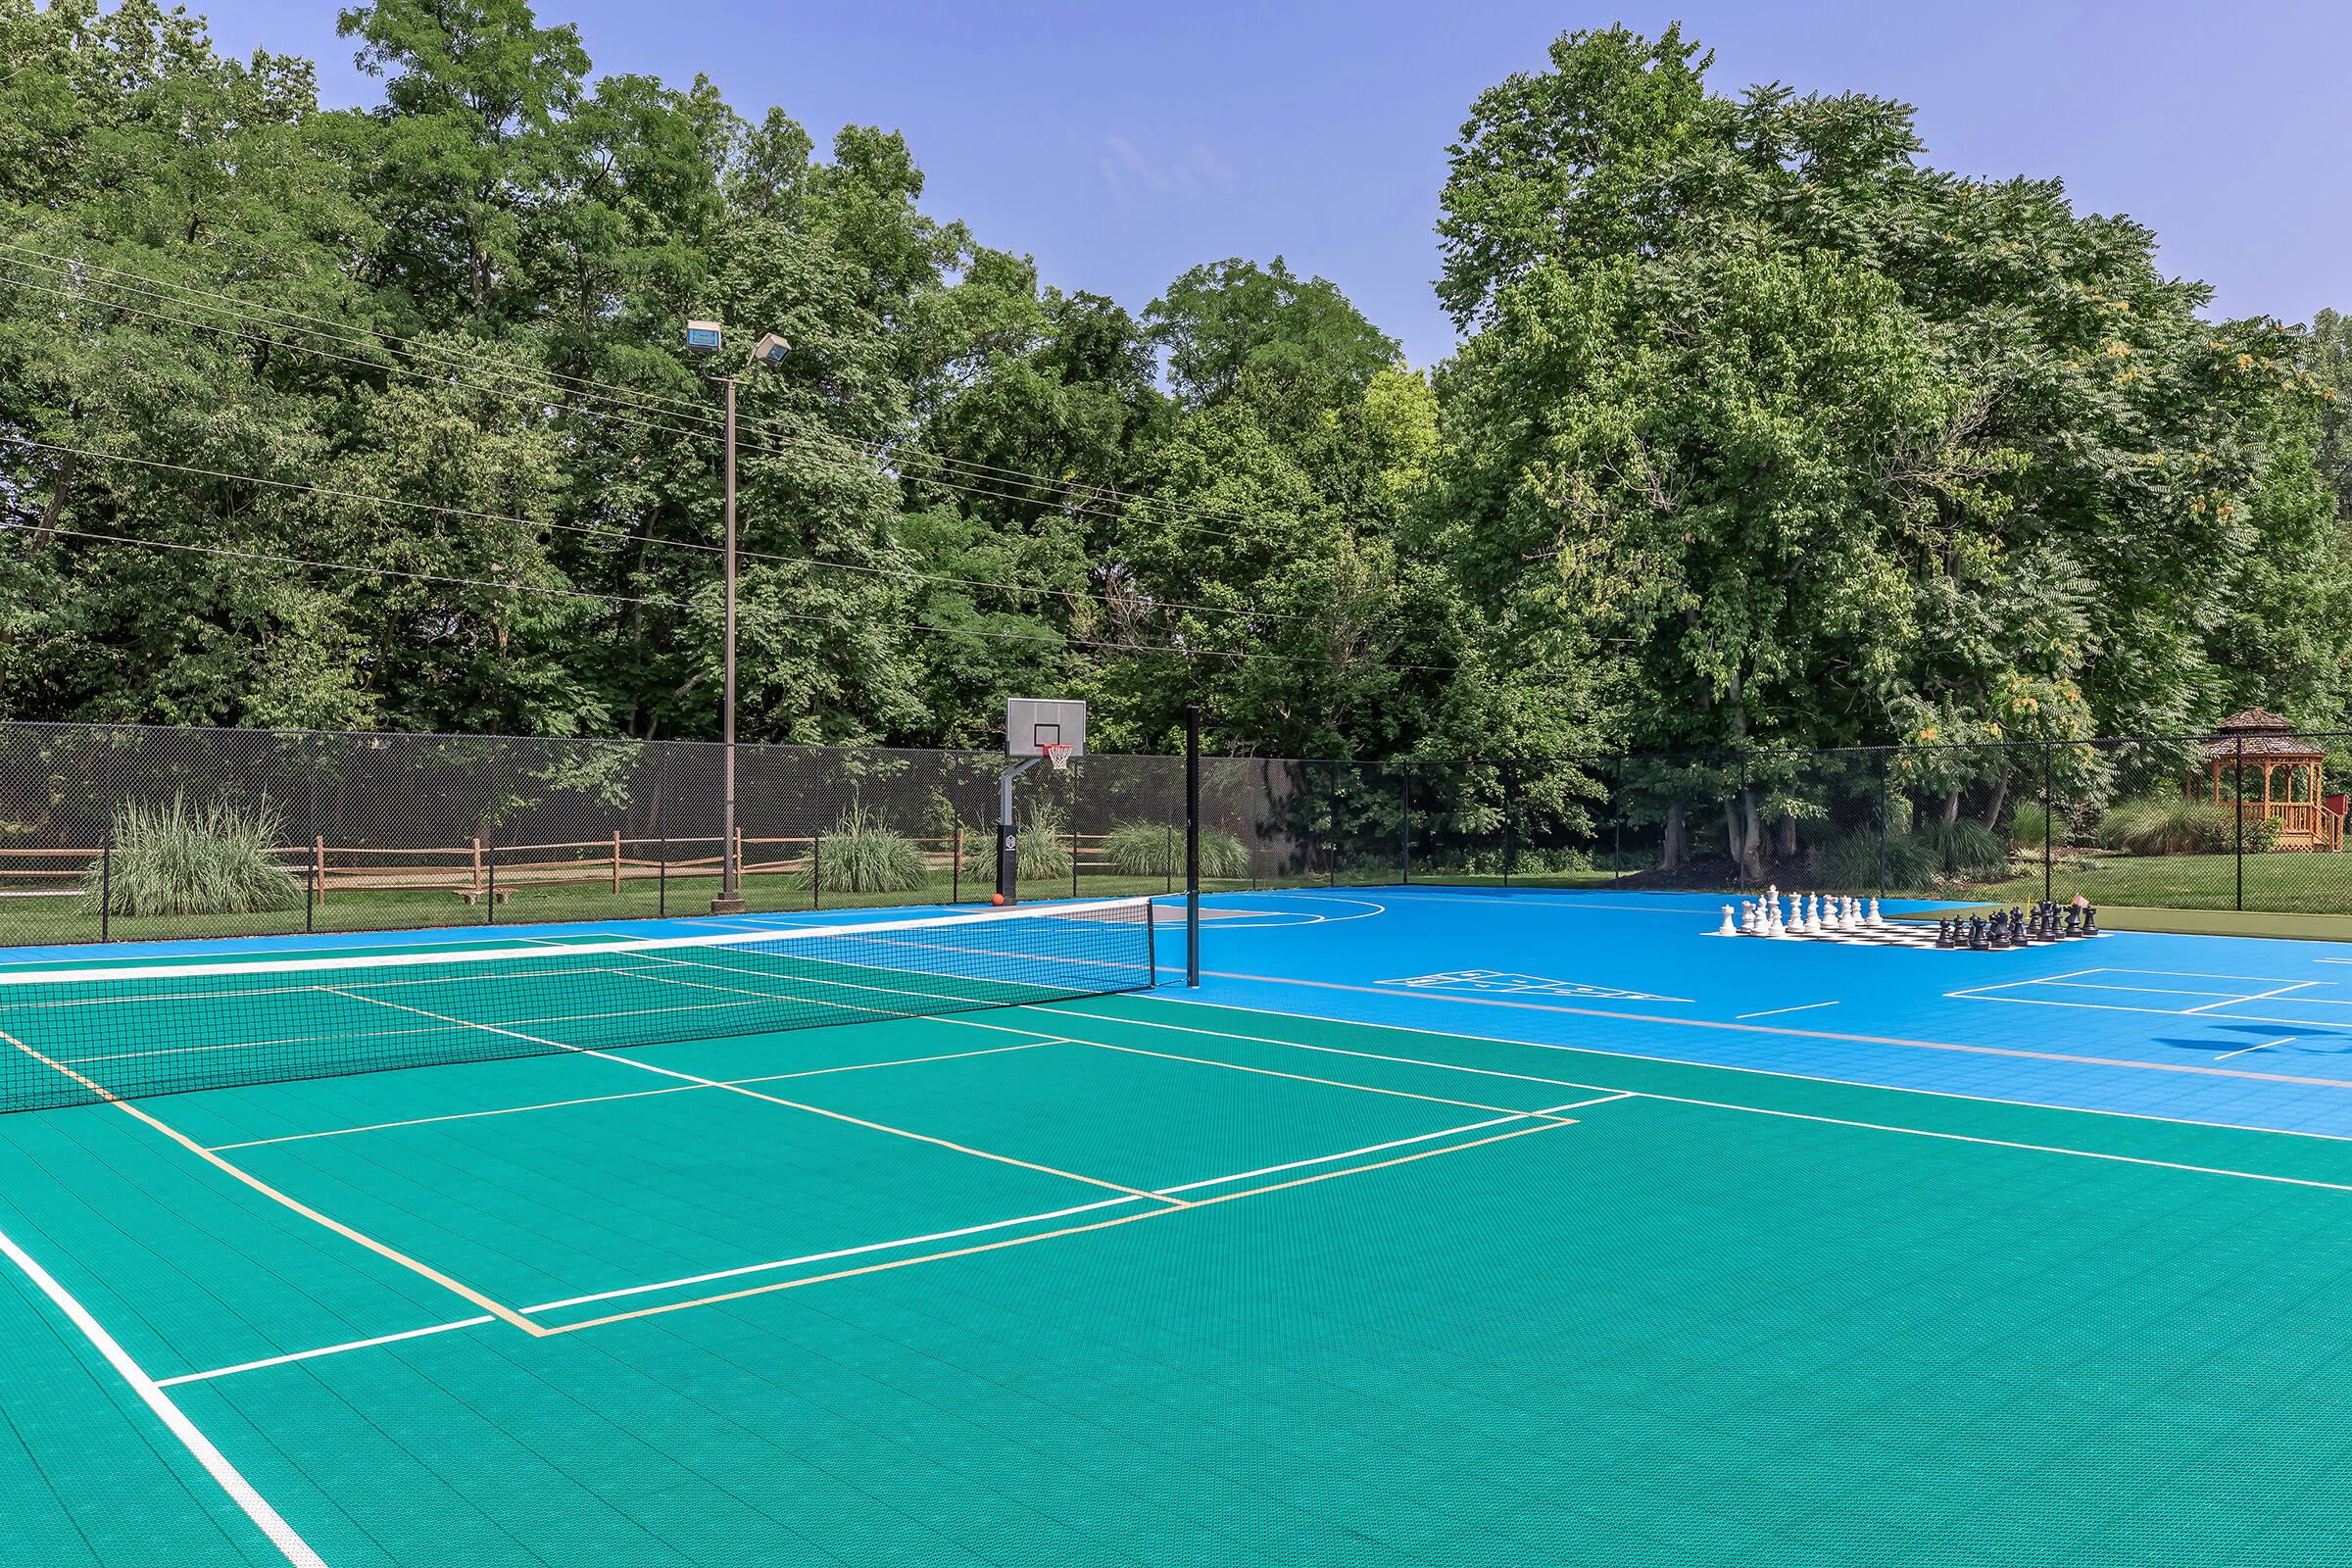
[674,408]
[1052,641]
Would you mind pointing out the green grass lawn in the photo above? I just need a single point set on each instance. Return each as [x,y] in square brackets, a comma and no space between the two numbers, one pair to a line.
[2305,884]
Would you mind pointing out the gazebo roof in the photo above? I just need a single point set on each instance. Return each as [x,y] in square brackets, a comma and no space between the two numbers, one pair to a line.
[2263,734]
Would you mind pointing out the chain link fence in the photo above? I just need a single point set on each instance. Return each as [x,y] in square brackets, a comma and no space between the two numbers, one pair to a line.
[134,833]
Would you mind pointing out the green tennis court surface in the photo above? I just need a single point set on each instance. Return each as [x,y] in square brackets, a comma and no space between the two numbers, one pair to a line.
[1126,1279]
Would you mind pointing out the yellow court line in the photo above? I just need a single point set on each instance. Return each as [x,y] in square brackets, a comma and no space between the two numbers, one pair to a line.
[1299,1077]
[499,1311]
[631,1094]
[1046,1236]
[777,1100]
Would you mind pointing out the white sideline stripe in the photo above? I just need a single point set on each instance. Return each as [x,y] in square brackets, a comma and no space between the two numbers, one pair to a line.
[2176,1012]
[2281,992]
[324,1350]
[1770,1012]
[866,930]
[821,1257]
[1756,1110]
[1396,1143]
[904,1241]
[1637,1056]
[2264,1045]
[216,1463]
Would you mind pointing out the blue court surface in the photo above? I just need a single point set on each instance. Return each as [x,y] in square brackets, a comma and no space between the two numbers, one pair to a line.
[1437,1226]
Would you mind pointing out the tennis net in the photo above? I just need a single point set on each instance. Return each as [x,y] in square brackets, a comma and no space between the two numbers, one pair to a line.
[77,1035]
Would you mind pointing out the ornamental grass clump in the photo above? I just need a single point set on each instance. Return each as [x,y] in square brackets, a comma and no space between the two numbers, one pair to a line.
[194,860]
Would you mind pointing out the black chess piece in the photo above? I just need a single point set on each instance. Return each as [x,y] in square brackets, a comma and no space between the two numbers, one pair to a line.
[2090,919]
[1976,933]
[2073,920]
[1943,933]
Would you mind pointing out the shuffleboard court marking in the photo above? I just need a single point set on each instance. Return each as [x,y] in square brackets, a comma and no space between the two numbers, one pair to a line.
[201,1449]
[628,1094]
[777,1100]
[1769,1012]
[2067,1058]
[390,1254]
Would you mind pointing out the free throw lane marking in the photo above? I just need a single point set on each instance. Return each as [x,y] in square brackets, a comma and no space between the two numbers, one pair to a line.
[1770,1012]
[2264,1045]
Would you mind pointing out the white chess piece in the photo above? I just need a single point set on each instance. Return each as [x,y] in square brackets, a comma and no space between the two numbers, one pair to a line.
[1727,929]
[1872,917]
[1810,923]
[1852,913]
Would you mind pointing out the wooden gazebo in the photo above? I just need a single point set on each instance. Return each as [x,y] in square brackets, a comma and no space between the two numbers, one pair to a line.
[2281,779]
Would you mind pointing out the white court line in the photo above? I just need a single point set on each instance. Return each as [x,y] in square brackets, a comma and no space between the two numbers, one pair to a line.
[216,1463]
[325,1349]
[1753,1110]
[1396,1143]
[821,1257]
[1636,1056]
[2177,1012]
[904,1241]
[2281,992]
[1769,1012]
[2264,1045]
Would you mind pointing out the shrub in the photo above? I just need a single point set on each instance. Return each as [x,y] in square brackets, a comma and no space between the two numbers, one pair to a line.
[1968,851]
[859,854]
[1149,848]
[187,859]
[2169,824]
[1854,861]
[1042,853]
[2028,823]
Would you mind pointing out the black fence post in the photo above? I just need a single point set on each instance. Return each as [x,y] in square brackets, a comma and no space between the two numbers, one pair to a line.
[1405,822]
[1740,825]
[1510,804]
[1617,813]
[2238,799]
[2049,809]
[1886,815]
[1192,845]
[309,868]
[106,847]
[956,863]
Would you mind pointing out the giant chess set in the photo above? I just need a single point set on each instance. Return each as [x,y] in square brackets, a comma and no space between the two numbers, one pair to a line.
[1827,917]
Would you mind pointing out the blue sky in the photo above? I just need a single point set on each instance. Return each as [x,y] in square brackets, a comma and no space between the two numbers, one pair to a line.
[1120,144]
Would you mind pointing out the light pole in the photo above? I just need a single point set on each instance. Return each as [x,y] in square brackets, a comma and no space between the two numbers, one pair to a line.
[705,337]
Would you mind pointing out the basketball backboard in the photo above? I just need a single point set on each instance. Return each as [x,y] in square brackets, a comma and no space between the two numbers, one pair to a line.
[1033,723]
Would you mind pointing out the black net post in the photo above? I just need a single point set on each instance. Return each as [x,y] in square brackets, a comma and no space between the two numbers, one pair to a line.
[1192,845]
[1617,823]
[1510,808]
[1885,813]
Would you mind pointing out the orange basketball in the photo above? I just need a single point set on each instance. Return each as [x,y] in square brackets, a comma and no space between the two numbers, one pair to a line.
[995,898]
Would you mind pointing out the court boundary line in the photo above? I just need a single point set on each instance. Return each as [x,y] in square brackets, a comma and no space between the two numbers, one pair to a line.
[625,1094]
[1178,1207]
[1710,1066]
[777,1100]
[359,1238]
[200,1448]
[1734,1026]
[1792,1116]
[1542,1119]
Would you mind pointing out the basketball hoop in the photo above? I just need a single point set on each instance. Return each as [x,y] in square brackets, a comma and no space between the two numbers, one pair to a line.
[1057,756]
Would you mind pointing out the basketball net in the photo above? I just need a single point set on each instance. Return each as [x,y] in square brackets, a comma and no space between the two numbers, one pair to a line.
[1057,755]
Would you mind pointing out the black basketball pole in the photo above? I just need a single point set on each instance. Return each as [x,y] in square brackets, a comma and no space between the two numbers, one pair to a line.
[1192,845]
